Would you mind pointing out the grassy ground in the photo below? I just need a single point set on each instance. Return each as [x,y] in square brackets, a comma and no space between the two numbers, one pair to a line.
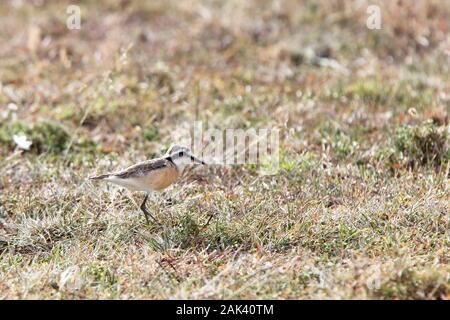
[359,208]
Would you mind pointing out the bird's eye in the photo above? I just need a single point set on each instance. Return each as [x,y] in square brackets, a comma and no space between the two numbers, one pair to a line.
[180,154]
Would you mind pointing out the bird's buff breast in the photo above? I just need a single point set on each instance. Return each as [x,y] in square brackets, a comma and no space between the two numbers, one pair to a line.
[159,179]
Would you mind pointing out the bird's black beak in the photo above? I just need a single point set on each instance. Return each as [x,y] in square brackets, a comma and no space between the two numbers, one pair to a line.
[197,160]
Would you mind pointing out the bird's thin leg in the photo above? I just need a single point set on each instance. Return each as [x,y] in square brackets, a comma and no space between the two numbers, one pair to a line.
[145,211]
[207,222]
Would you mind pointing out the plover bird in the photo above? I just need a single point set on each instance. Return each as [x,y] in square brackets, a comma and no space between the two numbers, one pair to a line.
[153,175]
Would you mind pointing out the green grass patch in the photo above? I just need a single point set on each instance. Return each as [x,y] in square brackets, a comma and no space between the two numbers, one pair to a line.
[422,144]
[46,137]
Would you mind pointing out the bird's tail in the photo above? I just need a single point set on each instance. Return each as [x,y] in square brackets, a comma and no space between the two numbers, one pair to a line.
[100,177]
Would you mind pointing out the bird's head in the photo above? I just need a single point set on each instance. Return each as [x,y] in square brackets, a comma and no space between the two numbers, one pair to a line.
[182,156]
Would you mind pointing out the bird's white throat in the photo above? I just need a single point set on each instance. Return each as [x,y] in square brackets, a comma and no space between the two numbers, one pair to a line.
[182,162]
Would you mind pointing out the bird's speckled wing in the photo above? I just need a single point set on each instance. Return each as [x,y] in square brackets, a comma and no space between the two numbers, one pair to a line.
[143,168]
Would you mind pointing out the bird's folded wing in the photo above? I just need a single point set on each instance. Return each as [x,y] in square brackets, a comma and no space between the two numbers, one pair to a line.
[143,168]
